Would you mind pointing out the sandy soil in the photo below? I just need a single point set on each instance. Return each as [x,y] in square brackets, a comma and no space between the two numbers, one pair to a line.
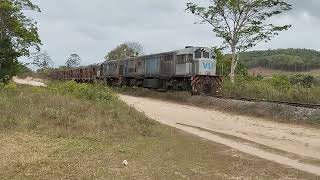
[290,145]
[29,81]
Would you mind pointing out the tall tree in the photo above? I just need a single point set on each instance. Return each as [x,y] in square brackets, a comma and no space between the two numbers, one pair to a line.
[73,61]
[241,23]
[18,33]
[42,60]
[125,50]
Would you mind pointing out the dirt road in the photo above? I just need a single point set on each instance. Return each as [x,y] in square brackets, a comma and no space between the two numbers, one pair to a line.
[291,145]
[29,81]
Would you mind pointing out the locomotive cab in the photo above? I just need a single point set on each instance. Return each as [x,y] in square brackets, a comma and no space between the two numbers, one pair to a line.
[196,61]
[200,64]
[205,62]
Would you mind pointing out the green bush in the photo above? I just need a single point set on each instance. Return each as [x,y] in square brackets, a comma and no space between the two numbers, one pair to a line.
[278,88]
[87,91]
[10,87]
[303,80]
[5,79]
[280,81]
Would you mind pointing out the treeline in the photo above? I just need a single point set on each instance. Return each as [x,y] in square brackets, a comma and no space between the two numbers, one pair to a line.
[295,60]
[18,34]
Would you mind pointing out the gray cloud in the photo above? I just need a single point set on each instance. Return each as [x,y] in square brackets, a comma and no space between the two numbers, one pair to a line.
[92,28]
[310,7]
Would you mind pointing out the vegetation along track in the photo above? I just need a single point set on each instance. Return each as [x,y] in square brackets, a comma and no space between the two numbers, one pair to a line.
[297,104]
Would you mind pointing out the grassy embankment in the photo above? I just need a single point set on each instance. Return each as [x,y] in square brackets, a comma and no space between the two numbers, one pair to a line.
[299,88]
[72,131]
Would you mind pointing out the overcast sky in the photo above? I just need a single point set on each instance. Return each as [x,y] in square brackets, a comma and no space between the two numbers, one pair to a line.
[92,28]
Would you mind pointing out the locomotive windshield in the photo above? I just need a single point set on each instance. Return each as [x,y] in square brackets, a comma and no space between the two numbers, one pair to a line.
[198,54]
[202,54]
[206,54]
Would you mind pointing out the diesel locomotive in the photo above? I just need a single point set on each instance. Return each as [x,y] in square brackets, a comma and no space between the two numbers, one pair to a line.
[189,69]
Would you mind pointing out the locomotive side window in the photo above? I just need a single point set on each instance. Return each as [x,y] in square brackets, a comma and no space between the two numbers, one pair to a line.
[206,54]
[181,59]
[198,54]
[168,58]
[190,58]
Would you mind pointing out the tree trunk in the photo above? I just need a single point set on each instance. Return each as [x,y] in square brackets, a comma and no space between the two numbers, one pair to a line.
[233,64]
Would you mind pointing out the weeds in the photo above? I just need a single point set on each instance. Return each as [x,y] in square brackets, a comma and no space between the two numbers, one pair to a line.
[278,88]
[85,91]
[56,111]
[10,87]
[7,122]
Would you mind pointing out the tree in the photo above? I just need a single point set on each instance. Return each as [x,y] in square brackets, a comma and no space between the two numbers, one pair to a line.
[18,33]
[73,61]
[242,24]
[136,47]
[224,64]
[41,60]
[125,50]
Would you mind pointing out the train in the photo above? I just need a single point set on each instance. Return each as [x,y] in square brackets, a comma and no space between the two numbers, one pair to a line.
[190,69]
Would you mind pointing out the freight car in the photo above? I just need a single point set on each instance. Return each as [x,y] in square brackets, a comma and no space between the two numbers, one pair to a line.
[84,74]
[189,69]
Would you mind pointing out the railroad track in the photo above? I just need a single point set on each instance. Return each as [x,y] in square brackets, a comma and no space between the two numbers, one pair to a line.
[297,104]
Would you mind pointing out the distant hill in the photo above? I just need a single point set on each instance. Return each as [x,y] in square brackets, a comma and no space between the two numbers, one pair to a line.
[292,60]
[270,72]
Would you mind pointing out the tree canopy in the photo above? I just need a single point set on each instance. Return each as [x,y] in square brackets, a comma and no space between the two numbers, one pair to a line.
[73,61]
[242,24]
[18,33]
[42,60]
[125,50]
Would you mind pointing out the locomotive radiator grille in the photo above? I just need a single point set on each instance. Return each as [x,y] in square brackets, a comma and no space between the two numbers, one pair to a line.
[210,85]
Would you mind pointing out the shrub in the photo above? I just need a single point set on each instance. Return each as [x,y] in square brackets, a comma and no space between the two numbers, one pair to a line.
[280,81]
[278,88]
[5,79]
[87,91]
[303,80]
[10,87]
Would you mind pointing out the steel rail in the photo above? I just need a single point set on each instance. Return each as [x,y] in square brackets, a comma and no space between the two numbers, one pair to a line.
[297,104]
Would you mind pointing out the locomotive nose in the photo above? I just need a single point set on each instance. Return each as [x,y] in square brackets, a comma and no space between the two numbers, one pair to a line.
[206,67]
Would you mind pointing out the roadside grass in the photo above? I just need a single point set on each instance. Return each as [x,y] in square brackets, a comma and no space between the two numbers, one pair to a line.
[78,131]
[56,111]
[1,85]
[264,89]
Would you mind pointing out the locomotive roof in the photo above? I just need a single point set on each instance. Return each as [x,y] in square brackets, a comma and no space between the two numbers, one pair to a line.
[187,50]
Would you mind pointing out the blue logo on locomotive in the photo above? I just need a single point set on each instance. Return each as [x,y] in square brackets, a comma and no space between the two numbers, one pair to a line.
[208,66]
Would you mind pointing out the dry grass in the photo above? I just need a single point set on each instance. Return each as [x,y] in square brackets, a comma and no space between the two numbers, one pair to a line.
[50,134]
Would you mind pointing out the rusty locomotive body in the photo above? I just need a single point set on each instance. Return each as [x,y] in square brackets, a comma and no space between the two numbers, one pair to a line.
[190,69]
